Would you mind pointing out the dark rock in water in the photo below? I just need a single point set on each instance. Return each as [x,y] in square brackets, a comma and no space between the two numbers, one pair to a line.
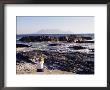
[67,38]
[87,38]
[77,47]
[35,38]
[62,38]
[54,44]
[22,45]
[84,41]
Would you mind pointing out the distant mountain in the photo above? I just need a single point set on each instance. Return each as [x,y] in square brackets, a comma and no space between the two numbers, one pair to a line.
[56,31]
[52,31]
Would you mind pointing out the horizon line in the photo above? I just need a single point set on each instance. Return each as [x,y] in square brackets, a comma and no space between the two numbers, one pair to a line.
[46,33]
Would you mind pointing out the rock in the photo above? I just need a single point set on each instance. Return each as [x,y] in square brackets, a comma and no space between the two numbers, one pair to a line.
[67,38]
[75,62]
[76,47]
[22,45]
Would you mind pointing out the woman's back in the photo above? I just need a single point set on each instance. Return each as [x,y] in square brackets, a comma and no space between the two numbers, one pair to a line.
[40,63]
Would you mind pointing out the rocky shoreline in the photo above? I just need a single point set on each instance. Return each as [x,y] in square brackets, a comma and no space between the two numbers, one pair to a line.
[78,63]
[63,54]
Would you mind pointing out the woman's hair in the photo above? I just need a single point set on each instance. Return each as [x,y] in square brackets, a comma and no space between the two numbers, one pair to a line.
[41,58]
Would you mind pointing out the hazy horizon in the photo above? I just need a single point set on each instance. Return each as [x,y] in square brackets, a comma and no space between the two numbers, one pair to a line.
[55,25]
[53,34]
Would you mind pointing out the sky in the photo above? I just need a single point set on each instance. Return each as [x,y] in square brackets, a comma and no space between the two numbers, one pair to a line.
[54,24]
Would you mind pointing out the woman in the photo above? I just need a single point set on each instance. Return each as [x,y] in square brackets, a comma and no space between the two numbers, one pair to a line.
[40,64]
